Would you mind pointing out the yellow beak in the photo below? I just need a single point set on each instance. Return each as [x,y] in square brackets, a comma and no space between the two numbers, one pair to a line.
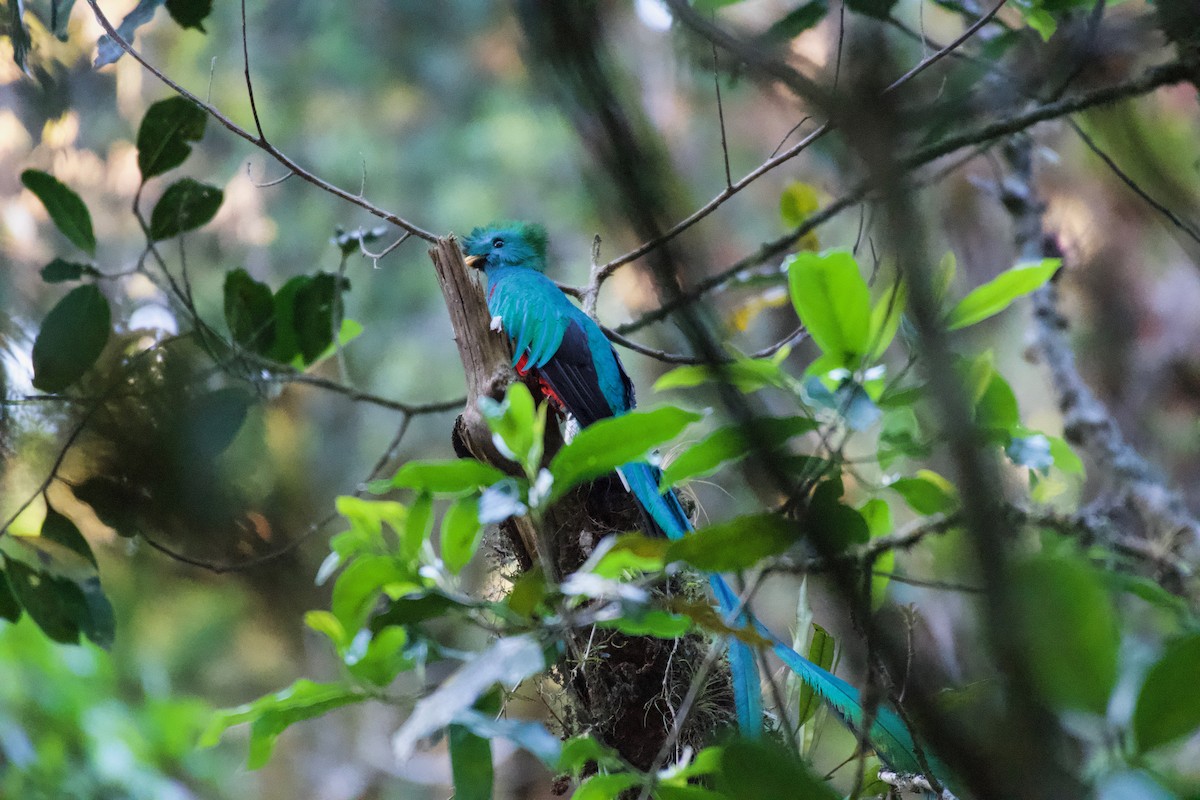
[474,261]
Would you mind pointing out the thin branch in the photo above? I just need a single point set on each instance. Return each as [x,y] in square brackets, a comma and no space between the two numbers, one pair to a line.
[253,139]
[413,409]
[240,566]
[1151,79]
[721,117]
[270,183]
[1174,218]
[679,358]
[262,137]
[376,256]
[948,49]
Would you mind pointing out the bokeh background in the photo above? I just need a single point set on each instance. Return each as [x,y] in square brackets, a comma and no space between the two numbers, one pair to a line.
[430,109]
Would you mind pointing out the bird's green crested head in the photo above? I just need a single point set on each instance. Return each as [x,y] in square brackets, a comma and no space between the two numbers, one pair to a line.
[506,244]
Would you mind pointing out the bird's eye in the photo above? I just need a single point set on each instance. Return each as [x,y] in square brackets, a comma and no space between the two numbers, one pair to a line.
[497,243]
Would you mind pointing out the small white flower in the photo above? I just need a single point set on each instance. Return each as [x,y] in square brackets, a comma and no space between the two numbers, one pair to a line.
[541,488]
[497,323]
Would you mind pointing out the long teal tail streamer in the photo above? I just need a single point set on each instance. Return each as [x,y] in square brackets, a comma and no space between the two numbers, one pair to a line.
[889,735]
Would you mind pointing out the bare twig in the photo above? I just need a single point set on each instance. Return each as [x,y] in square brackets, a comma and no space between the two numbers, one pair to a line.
[256,140]
[1170,215]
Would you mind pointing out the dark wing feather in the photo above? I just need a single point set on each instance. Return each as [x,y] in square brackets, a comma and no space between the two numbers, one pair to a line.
[571,374]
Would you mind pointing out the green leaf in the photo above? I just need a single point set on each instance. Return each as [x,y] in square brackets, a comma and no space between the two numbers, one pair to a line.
[517,423]
[996,409]
[610,443]
[731,444]
[1168,706]
[249,311]
[72,337]
[461,533]
[580,751]
[107,49]
[797,21]
[189,13]
[443,477]
[470,764]
[417,527]
[417,607]
[737,544]
[269,716]
[799,200]
[765,770]
[999,293]
[1065,457]
[312,314]
[366,518]
[628,552]
[885,319]
[60,271]
[57,528]
[927,492]
[361,584]
[286,346]
[65,208]
[1066,619]
[383,658]
[10,609]
[747,374]
[163,136]
[834,303]
[606,787]
[642,621]
[186,205]
[507,662]
[820,652]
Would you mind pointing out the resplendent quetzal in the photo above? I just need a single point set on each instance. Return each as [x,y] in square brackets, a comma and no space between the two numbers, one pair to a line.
[580,373]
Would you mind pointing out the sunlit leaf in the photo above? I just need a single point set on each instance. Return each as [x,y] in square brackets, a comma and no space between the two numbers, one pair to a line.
[164,135]
[507,662]
[999,293]
[747,374]
[1067,622]
[66,209]
[737,544]
[383,658]
[833,302]
[442,477]
[1168,706]
[269,716]
[926,492]
[885,318]
[580,751]
[461,533]
[730,443]
[360,585]
[610,443]
[71,338]
[650,622]
[798,200]
[1065,458]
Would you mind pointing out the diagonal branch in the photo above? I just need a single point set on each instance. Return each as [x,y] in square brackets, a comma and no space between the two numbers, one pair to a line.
[258,140]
